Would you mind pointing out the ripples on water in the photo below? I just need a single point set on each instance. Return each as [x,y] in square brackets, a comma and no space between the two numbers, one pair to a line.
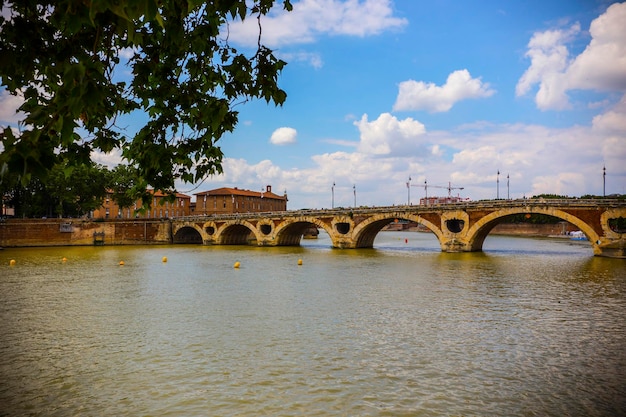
[528,327]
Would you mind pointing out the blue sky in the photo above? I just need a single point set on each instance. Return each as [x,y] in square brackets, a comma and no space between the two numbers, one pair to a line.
[442,91]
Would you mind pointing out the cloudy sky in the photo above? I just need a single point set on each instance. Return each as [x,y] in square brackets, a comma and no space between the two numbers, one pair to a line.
[380,91]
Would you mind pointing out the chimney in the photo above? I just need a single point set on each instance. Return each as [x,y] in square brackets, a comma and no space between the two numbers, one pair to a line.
[268,189]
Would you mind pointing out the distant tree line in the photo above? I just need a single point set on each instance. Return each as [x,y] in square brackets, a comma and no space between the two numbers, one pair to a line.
[582,197]
[545,219]
[69,190]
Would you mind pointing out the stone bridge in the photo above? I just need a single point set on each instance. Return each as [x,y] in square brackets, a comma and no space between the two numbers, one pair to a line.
[459,227]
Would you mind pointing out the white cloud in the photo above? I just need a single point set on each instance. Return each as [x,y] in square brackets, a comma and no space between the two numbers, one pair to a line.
[418,95]
[284,136]
[310,19]
[8,107]
[538,159]
[387,135]
[111,159]
[311,58]
[342,142]
[561,183]
[548,57]
[600,67]
[613,120]
[611,126]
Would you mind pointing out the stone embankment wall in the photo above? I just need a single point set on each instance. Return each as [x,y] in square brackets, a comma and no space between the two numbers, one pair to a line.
[67,232]
[528,229]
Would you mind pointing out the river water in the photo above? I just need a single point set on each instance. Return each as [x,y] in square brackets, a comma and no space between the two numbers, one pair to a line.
[529,327]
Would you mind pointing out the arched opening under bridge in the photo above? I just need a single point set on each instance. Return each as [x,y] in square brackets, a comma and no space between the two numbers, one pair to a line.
[397,232]
[537,225]
[293,233]
[237,234]
[187,235]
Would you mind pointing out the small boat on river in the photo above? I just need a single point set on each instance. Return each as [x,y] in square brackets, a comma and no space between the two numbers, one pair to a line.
[577,235]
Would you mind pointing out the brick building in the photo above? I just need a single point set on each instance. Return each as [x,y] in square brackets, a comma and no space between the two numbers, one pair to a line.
[430,201]
[181,206]
[234,200]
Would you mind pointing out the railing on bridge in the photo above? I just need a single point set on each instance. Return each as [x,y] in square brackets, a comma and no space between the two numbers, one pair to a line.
[501,203]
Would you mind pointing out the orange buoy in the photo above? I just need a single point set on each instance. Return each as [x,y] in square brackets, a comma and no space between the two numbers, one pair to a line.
[237,265]
[121,263]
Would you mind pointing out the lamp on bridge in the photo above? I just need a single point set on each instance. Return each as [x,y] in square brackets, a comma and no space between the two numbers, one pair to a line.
[604,181]
[498,185]
[507,187]
[354,189]
[408,190]
[332,190]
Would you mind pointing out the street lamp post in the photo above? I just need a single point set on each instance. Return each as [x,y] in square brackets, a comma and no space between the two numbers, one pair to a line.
[354,190]
[332,190]
[498,185]
[425,193]
[507,187]
[408,190]
[604,181]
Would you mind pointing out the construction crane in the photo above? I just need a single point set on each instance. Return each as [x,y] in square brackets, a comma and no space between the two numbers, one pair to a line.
[449,188]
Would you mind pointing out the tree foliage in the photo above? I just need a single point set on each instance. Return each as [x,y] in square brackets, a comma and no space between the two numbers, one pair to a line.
[64,192]
[121,183]
[65,57]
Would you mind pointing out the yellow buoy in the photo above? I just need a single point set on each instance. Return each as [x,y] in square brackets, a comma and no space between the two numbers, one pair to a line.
[164,259]
[237,265]
[299,261]
[64,259]
[12,262]
[121,263]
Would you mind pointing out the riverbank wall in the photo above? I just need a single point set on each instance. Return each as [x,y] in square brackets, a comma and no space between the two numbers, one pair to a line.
[80,232]
[515,229]
[539,230]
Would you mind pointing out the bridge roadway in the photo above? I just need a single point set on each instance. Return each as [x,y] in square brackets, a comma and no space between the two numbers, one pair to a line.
[459,227]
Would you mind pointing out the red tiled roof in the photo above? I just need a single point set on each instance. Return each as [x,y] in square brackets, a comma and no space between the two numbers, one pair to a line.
[237,191]
[157,194]
[178,195]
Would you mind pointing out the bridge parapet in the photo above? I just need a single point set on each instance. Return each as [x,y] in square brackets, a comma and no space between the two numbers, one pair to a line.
[459,227]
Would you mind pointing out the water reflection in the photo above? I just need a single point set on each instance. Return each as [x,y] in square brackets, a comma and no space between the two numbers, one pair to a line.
[528,327]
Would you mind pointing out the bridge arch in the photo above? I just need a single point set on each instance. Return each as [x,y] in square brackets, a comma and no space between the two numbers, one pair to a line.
[290,231]
[188,235]
[366,231]
[479,231]
[236,232]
